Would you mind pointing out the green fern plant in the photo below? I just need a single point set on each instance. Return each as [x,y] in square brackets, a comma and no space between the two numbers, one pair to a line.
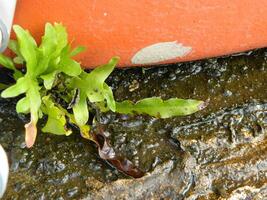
[55,85]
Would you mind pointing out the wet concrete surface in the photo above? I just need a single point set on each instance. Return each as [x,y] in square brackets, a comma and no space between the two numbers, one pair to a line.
[218,153]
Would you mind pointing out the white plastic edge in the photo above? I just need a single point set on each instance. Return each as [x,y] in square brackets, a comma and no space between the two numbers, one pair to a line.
[7,10]
[4,171]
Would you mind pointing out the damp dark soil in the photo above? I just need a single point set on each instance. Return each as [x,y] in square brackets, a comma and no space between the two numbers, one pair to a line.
[217,153]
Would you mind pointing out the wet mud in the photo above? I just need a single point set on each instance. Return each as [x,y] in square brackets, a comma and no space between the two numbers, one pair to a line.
[217,153]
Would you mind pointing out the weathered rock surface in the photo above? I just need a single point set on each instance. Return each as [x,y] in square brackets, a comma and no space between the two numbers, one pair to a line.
[227,159]
[218,153]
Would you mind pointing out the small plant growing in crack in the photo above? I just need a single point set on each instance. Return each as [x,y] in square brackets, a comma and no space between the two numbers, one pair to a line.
[55,86]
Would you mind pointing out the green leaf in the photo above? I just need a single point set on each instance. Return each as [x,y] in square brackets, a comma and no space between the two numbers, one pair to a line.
[101,73]
[23,105]
[18,60]
[69,66]
[14,46]
[27,46]
[77,50]
[49,40]
[108,94]
[80,110]
[62,38]
[94,83]
[35,99]
[7,62]
[56,122]
[156,107]
[49,79]
[85,132]
[46,51]
[43,65]
[102,106]
[94,86]
[20,87]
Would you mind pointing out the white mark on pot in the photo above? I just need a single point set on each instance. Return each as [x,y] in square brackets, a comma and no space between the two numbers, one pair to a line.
[105,14]
[159,52]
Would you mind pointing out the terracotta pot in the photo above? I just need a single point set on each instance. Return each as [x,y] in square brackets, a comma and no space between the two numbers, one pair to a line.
[145,31]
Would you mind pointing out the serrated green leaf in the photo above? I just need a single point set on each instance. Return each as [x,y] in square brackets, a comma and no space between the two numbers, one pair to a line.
[156,107]
[62,38]
[94,86]
[101,73]
[94,83]
[20,87]
[49,40]
[80,110]
[27,46]
[77,50]
[23,105]
[47,50]
[56,122]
